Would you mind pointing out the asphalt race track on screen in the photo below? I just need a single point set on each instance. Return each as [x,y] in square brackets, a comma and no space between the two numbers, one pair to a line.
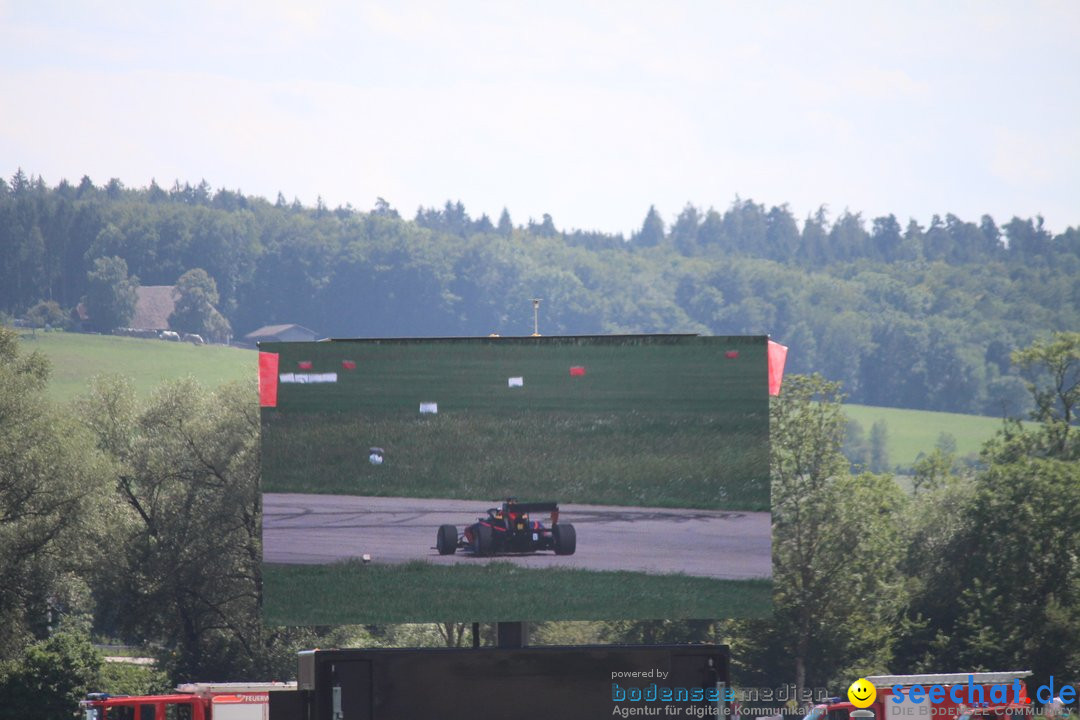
[320,529]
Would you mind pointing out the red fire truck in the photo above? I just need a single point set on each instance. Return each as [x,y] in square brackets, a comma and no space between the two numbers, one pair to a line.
[191,701]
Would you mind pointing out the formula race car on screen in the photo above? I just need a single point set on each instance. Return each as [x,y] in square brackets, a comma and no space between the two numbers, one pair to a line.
[510,529]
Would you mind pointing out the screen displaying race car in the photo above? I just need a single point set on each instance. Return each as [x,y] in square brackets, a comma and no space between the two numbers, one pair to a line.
[511,528]
[640,464]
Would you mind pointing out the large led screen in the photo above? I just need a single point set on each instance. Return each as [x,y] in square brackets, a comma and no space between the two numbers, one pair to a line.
[524,478]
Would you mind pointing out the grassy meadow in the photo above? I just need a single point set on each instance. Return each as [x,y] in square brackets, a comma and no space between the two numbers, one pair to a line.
[351,593]
[76,358]
[608,459]
[916,431]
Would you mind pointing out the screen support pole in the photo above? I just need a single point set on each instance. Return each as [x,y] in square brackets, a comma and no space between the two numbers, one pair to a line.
[512,634]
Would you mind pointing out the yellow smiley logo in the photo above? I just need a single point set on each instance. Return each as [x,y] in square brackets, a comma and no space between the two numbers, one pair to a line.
[861,693]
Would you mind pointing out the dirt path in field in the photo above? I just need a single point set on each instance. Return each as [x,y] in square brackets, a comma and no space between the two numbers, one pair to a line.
[316,529]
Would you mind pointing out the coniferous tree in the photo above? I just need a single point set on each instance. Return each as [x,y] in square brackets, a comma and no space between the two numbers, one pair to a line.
[685,230]
[652,230]
[505,227]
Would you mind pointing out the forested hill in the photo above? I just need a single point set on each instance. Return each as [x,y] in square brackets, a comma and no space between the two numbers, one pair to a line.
[904,314]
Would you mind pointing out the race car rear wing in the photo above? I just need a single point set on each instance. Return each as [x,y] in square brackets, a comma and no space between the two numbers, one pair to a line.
[531,507]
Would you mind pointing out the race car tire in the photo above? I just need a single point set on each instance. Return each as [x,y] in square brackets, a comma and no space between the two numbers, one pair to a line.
[446,540]
[565,538]
[485,543]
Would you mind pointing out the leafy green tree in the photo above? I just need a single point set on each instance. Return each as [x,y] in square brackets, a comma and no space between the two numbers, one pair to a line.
[894,368]
[1053,370]
[847,336]
[1000,588]
[652,632]
[931,472]
[1007,396]
[135,237]
[444,634]
[946,443]
[50,678]
[1013,599]
[1028,238]
[195,310]
[837,548]
[122,678]
[47,313]
[879,447]
[52,482]
[111,294]
[856,449]
[186,555]
[487,277]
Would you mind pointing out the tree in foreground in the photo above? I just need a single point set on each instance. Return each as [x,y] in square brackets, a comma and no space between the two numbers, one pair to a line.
[185,563]
[52,485]
[1000,586]
[837,546]
[50,678]
[1053,371]
[186,552]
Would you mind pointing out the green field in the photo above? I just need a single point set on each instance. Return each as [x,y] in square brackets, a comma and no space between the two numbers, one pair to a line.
[649,421]
[916,431]
[351,592]
[77,357]
[605,459]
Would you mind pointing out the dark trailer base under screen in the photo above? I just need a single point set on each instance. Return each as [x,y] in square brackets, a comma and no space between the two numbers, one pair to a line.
[558,682]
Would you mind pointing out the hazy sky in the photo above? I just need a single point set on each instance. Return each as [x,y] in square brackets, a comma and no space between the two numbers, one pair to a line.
[589,111]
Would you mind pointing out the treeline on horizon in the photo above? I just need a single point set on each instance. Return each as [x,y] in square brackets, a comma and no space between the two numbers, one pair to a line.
[903,315]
